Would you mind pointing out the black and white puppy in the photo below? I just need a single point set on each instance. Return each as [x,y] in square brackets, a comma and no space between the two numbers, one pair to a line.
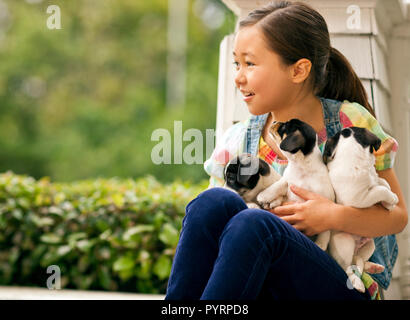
[350,161]
[298,141]
[248,175]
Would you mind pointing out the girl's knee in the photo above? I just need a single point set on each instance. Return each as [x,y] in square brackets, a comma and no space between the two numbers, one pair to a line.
[220,194]
[214,206]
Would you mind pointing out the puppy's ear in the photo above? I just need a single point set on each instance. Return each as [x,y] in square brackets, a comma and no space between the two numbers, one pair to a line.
[230,172]
[366,138]
[243,179]
[248,169]
[293,142]
[376,145]
[282,128]
[374,141]
[330,147]
[264,168]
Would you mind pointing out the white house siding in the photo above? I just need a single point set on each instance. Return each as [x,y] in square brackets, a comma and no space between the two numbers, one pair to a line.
[399,71]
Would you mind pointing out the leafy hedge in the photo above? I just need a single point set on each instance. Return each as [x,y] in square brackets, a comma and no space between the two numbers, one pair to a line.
[104,234]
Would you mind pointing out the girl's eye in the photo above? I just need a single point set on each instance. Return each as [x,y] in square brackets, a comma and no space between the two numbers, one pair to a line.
[249,64]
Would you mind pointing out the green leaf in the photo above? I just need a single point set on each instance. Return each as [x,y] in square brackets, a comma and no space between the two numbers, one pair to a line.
[104,277]
[59,197]
[162,267]
[50,238]
[63,250]
[124,264]
[24,203]
[55,210]
[159,219]
[169,235]
[14,254]
[17,214]
[131,232]
[105,235]
[102,225]
[144,269]
[85,245]
[118,199]
[126,274]
[51,257]
[76,236]
[41,222]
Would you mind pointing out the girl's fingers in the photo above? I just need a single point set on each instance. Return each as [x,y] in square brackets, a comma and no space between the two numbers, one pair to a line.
[303,193]
[285,210]
[287,203]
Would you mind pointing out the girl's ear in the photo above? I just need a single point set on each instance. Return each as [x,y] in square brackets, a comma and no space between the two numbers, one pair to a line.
[301,70]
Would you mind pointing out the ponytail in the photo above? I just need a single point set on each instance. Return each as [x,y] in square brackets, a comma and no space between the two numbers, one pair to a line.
[342,82]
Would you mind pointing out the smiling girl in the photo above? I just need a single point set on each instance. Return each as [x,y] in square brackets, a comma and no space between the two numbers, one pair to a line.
[285,68]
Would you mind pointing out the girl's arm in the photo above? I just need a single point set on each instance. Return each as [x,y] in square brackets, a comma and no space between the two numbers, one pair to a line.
[374,221]
[318,214]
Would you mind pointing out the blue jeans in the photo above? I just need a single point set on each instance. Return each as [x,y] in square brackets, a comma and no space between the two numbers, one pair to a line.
[228,251]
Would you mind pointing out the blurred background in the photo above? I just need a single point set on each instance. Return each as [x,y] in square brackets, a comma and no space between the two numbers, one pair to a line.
[82,101]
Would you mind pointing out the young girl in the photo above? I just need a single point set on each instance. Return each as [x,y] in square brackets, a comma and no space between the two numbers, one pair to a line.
[286,69]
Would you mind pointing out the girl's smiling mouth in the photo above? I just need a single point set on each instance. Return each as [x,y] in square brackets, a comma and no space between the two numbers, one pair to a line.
[248,97]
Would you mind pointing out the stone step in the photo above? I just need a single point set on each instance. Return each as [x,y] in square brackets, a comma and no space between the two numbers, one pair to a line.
[35,293]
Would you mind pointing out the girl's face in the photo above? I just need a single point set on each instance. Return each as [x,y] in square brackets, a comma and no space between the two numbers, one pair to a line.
[259,72]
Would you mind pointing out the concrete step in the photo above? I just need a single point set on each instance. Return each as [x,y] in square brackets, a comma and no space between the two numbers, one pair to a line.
[33,293]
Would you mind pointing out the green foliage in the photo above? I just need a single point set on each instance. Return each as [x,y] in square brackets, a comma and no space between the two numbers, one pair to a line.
[83,101]
[104,234]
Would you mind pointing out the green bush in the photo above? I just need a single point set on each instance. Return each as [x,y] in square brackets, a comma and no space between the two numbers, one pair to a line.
[104,234]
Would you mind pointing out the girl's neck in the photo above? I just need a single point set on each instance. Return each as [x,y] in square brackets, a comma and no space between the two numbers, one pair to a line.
[308,110]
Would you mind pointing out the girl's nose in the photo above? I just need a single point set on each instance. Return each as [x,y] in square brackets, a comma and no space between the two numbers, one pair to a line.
[239,78]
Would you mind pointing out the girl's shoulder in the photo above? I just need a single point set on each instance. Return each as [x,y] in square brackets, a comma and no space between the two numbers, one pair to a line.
[353,114]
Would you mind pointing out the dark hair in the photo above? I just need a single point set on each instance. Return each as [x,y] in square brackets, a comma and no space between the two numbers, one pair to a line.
[294,30]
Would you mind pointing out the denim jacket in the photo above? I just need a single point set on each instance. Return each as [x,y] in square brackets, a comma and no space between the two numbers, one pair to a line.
[386,246]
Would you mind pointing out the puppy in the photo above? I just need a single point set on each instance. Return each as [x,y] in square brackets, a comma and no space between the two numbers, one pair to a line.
[248,175]
[298,141]
[350,161]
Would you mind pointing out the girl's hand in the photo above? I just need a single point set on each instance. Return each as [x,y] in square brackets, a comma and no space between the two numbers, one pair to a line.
[310,217]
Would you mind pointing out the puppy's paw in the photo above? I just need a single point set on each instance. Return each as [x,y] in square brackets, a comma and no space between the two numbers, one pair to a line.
[264,199]
[265,206]
[322,245]
[272,193]
[354,279]
[392,202]
[276,203]
[388,206]
[373,268]
[357,283]
[252,205]
[395,199]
